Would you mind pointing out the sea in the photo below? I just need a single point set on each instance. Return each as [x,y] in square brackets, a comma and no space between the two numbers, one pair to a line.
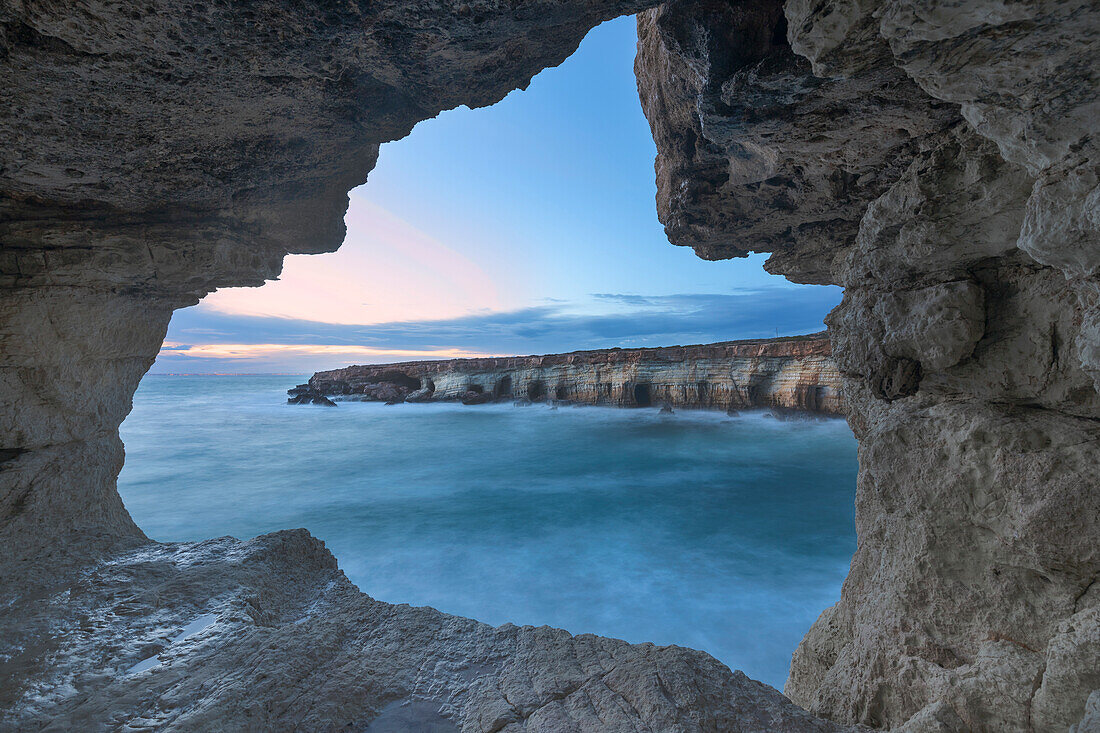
[725,534]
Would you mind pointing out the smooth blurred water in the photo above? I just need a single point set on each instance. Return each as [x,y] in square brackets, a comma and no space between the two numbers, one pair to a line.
[727,535]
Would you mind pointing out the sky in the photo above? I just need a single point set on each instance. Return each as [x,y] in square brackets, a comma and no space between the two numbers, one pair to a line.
[523,228]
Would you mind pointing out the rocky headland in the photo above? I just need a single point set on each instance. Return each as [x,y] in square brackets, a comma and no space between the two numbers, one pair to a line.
[785,374]
[939,159]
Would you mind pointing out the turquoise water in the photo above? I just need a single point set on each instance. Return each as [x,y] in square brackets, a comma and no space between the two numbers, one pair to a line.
[727,535]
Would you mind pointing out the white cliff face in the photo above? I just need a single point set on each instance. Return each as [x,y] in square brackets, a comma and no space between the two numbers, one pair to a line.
[790,374]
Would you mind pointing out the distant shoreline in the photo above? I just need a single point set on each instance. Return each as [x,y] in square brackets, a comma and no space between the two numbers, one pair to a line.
[792,373]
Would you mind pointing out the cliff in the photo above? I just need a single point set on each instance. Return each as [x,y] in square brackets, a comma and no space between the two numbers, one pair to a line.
[938,159]
[789,373]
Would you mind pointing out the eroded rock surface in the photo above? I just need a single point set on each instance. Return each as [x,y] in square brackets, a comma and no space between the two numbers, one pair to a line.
[269,635]
[786,374]
[966,239]
[937,158]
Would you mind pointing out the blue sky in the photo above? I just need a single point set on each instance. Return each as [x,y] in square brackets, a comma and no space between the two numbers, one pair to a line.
[526,227]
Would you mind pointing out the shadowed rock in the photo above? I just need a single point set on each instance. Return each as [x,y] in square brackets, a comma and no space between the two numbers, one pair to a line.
[900,149]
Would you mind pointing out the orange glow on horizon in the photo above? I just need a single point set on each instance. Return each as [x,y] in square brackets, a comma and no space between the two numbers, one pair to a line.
[262,351]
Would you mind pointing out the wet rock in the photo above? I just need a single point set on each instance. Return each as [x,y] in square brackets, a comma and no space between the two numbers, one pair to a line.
[304,394]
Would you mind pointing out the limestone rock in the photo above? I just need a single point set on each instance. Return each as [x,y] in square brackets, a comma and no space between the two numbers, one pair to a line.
[755,153]
[969,333]
[1091,722]
[155,153]
[152,153]
[787,373]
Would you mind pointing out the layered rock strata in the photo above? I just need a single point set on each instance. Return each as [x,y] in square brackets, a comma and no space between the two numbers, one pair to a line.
[938,160]
[785,374]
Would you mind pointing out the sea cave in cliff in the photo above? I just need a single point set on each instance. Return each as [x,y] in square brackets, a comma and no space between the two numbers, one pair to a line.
[668,491]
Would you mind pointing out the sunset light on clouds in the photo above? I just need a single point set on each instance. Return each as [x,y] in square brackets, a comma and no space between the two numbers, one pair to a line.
[386,270]
[254,351]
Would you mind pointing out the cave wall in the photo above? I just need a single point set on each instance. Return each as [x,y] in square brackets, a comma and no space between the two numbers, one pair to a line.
[937,158]
[939,161]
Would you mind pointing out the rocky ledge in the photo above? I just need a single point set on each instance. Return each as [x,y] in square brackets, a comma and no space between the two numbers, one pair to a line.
[795,373]
[268,634]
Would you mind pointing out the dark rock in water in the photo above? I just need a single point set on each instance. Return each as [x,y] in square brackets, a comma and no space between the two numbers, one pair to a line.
[476,398]
[385,392]
[310,398]
[392,402]
[666,410]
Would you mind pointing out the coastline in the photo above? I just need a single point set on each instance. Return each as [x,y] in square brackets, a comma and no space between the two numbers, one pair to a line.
[786,374]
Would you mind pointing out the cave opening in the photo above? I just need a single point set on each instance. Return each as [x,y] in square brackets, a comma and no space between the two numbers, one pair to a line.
[165,189]
[536,390]
[447,275]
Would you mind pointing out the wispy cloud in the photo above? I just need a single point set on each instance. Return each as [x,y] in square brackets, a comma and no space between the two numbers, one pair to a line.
[247,352]
[386,269]
[251,343]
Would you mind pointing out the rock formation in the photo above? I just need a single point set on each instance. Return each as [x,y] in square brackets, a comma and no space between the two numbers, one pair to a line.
[937,158]
[786,374]
[269,635]
[152,153]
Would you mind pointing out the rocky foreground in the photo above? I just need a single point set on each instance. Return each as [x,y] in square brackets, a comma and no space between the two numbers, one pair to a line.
[794,373]
[268,635]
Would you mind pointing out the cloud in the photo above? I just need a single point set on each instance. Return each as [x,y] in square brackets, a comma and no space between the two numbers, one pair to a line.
[625,299]
[254,343]
[261,351]
[386,269]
